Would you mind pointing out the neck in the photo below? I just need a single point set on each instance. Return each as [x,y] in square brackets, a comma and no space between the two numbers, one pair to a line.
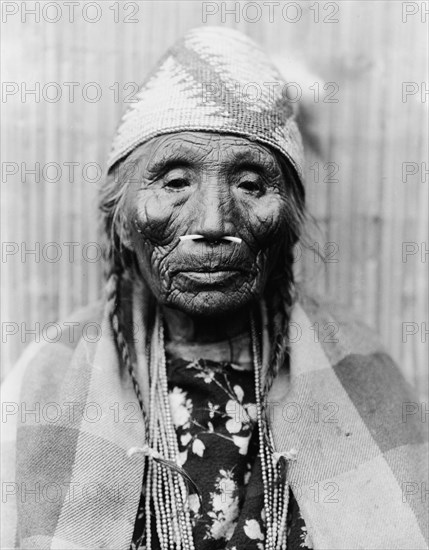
[185,328]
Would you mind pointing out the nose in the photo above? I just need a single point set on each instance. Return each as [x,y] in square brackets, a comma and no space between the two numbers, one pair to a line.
[213,206]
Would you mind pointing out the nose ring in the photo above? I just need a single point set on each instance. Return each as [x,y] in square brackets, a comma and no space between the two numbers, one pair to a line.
[198,237]
[191,237]
[233,239]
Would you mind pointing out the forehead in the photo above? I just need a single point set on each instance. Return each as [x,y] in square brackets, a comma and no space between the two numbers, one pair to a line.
[204,147]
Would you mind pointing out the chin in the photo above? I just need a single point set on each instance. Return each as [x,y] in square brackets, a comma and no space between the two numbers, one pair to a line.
[208,303]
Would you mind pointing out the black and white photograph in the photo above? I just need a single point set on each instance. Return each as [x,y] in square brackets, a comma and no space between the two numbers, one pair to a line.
[214,275]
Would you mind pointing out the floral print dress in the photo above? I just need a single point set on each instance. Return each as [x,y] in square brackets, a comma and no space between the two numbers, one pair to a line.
[214,414]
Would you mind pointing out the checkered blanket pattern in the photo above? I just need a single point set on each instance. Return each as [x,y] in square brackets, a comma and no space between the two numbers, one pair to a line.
[360,466]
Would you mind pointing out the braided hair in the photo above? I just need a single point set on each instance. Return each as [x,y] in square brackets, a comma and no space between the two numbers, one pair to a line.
[120,262]
[281,293]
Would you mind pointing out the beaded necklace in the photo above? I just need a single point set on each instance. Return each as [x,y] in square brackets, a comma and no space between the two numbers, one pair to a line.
[166,490]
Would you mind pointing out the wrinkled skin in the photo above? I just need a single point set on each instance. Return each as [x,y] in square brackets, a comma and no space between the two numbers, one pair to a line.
[212,185]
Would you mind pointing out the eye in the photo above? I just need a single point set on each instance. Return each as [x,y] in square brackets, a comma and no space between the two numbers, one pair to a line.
[251,185]
[177,183]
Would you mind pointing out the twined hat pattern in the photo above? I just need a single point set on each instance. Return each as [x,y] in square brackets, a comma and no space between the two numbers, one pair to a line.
[213,79]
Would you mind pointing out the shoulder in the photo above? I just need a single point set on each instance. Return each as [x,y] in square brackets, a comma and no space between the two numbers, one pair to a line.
[44,364]
[79,323]
[337,328]
[372,380]
[354,350]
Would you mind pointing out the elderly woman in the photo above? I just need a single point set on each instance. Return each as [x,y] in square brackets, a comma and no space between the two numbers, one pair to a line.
[207,415]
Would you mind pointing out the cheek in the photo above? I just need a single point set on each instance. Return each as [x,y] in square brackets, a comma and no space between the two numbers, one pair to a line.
[156,217]
[267,222]
[266,219]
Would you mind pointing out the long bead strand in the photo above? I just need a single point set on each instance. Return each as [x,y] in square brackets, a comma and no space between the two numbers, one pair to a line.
[152,425]
[275,493]
[257,373]
[166,490]
[167,499]
[180,488]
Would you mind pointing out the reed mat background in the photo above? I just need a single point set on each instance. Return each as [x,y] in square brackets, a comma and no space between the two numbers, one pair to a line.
[365,212]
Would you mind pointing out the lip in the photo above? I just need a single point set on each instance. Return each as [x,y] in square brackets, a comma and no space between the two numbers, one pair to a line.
[211,277]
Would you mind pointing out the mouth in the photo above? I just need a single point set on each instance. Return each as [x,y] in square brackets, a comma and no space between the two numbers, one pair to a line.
[211,277]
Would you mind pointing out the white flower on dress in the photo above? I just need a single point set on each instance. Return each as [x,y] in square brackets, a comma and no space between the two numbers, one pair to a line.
[242,443]
[194,365]
[185,438]
[218,502]
[238,390]
[305,537]
[241,418]
[247,473]
[180,406]
[194,503]
[225,507]
[238,416]
[198,447]
[182,458]
[241,415]
[213,409]
[225,483]
[206,374]
[252,411]
[253,529]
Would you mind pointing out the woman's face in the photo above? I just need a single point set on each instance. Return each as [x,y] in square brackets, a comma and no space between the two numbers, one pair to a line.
[197,183]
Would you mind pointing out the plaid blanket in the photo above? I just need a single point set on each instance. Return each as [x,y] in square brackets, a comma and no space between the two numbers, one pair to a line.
[343,412]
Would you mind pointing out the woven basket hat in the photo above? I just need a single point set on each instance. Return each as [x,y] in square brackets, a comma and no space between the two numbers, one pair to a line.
[214,79]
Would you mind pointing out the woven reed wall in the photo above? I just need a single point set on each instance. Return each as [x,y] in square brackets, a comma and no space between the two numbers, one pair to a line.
[360,201]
